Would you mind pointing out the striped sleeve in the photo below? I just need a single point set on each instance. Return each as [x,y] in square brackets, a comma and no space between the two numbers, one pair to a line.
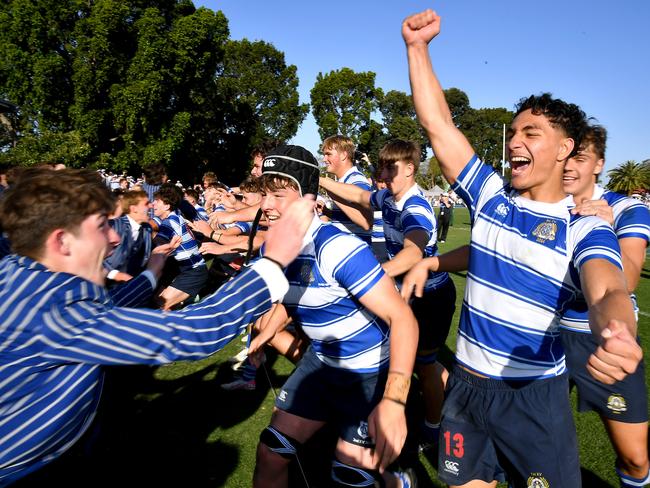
[377,198]
[351,262]
[476,184]
[417,215]
[634,221]
[595,239]
[80,329]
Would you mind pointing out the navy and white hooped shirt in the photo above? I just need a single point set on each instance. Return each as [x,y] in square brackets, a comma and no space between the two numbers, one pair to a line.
[412,212]
[187,253]
[631,219]
[352,177]
[525,260]
[333,270]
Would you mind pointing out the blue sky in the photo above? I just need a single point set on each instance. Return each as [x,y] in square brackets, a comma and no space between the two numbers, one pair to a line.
[590,52]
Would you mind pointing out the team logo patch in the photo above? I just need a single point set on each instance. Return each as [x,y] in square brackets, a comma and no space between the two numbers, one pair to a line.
[452,467]
[362,430]
[536,480]
[545,231]
[307,273]
[282,396]
[502,209]
[616,403]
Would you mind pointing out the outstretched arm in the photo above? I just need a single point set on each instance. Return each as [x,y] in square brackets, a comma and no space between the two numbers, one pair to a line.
[450,146]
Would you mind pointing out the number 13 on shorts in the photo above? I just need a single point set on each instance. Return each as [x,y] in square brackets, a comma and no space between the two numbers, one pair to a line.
[454,444]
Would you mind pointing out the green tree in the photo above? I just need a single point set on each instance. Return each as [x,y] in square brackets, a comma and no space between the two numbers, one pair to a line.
[141,81]
[430,175]
[484,129]
[458,102]
[343,101]
[628,177]
[400,120]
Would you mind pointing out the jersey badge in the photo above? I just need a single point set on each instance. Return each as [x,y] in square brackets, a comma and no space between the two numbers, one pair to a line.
[536,480]
[362,430]
[545,231]
[502,209]
[616,403]
[307,273]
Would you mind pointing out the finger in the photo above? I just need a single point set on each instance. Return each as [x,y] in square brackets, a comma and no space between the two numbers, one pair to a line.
[407,288]
[419,289]
[606,365]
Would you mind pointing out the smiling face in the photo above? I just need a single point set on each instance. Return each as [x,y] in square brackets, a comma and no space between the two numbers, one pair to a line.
[580,173]
[336,162]
[276,200]
[537,152]
[88,245]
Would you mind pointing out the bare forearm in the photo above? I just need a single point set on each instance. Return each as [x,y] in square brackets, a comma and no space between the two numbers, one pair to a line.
[613,305]
[350,193]
[403,261]
[359,215]
[448,143]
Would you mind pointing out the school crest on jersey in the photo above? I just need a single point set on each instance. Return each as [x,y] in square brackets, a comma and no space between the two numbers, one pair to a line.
[546,231]
[536,480]
[307,272]
[616,403]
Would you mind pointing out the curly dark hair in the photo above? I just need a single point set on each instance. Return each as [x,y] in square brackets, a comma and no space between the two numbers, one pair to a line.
[170,194]
[595,135]
[566,116]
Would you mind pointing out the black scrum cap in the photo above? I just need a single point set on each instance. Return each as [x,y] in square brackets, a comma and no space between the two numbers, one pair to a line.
[296,163]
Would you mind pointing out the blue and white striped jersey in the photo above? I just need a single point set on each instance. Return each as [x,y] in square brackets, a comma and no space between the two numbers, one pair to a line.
[631,219]
[202,213]
[412,212]
[378,227]
[525,259]
[57,330]
[187,254]
[334,270]
[352,177]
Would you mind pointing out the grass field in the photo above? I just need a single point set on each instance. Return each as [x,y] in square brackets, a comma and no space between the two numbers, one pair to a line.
[174,426]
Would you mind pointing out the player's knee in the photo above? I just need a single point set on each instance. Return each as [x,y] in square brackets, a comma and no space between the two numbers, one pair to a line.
[275,443]
[346,476]
[634,461]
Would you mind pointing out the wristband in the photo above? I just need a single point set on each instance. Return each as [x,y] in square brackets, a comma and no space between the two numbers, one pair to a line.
[274,261]
[397,387]
[211,236]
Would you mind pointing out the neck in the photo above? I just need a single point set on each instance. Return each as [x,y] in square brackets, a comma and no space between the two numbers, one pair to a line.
[400,194]
[586,194]
[342,171]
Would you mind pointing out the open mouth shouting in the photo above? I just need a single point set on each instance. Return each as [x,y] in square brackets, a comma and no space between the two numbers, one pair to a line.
[519,164]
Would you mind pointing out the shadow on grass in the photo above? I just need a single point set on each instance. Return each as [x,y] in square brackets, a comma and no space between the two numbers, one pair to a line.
[153,432]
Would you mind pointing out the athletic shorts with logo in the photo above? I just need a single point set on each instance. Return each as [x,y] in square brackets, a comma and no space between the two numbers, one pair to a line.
[624,401]
[520,430]
[345,398]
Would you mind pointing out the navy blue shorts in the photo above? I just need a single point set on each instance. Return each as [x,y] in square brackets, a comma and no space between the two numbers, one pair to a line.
[191,280]
[496,429]
[345,398]
[434,313]
[624,401]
